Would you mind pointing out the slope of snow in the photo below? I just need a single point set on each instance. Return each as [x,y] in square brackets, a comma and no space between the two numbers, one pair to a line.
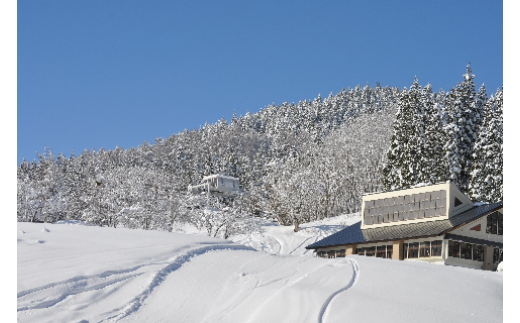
[278,239]
[76,273]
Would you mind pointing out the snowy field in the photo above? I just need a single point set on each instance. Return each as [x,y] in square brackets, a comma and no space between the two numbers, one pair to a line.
[77,273]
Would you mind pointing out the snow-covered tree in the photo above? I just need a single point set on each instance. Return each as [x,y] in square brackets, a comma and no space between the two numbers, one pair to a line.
[487,169]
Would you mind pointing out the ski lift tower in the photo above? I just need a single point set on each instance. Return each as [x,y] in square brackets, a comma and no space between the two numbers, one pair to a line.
[217,185]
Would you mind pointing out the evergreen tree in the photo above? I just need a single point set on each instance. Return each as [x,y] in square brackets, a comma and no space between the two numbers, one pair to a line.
[487,169]
[404,164]
[432,155]
[461,130]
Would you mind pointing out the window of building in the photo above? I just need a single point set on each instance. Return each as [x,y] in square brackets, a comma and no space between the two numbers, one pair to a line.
[370,252]
[381,251]
[424,250]
[361,251]
[436,248]
[497,256]
[453,249]
[340,253]
[465,250]
[492,224]
[495,223]
[405,250]
[478,253]
[389,251]
[413,250]
[331,254]
[322,254]
[500,229]
[457,202]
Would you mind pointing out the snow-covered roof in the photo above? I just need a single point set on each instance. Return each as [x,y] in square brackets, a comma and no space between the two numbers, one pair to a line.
[221,176]
[402,189]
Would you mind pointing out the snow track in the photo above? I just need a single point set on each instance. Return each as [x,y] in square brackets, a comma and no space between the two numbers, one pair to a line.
[92,274]
[355,277]
[161,275]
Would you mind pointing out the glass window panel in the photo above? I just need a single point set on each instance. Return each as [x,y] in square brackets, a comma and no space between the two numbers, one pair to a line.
[420,214]
[361,251]
[401,216]
[416,197]
[340,253]
[396,217]
[478,253]
[370,251]
[407,199]
[443,194]
[387,202]
[427,196]
[422,205]
[465,250]
[436,248]
[385,218]
[395,201]
[389,251]
[381,251]
[405,250]
[496,255]
[435,195]
[457,202]
[453,249]
[492,223]
[414,215]
[421,197]
[413,250]
[500,230]
[395,209]
[401,208]
[382,218]
[425,249]
[400,199]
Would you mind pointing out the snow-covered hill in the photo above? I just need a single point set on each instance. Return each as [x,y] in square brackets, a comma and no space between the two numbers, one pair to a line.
[77,273]
[278,239]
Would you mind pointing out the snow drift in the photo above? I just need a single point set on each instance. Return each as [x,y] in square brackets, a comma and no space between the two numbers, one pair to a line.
[76,273]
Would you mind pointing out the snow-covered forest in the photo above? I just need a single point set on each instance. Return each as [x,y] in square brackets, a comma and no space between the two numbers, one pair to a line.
[296,162]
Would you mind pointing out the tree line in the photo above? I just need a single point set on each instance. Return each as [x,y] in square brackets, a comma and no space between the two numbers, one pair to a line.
[296,162]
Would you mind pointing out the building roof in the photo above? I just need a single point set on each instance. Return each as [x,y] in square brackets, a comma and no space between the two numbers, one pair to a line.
[218,175]
[353,234]
[473,240]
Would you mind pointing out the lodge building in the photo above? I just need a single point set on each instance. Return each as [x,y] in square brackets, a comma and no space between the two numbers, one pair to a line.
[435,223]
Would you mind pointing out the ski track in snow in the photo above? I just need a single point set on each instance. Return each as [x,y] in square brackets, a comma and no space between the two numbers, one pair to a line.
[78,286]
[301,244]
[355,277]
[79,280]
[161,275]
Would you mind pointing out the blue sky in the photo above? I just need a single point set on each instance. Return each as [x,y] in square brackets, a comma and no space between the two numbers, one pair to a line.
[95,74]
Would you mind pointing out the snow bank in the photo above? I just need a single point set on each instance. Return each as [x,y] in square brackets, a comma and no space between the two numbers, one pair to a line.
[76,273]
